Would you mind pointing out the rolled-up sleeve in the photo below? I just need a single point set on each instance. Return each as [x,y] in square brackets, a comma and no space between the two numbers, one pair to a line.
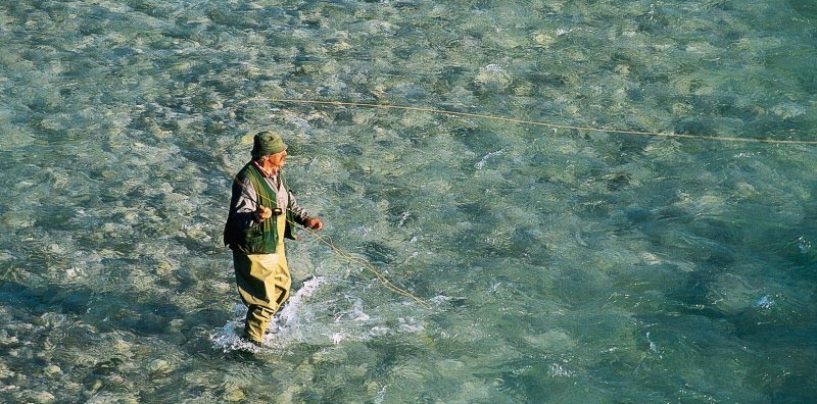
[300,214]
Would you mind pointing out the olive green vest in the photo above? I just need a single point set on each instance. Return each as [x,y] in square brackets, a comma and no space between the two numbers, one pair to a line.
[262,238]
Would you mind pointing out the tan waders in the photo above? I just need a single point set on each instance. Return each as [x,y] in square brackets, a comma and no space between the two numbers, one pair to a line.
[263,283]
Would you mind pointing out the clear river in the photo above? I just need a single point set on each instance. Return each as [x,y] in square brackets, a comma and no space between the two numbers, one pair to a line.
[618,206]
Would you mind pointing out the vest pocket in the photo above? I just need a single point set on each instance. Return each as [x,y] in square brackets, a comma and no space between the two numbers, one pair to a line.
[259,239]
[255,238]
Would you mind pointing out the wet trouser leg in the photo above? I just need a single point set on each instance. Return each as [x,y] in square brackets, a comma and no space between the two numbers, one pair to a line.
[263,283]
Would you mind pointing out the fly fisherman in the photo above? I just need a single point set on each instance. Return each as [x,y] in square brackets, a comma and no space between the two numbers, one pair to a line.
[262,212]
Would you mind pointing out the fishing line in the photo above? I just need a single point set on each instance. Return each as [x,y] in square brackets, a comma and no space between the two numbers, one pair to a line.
[368,266]
[402,292]
[529,122]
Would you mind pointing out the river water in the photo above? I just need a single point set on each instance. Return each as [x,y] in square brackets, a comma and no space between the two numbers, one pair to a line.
[552,264]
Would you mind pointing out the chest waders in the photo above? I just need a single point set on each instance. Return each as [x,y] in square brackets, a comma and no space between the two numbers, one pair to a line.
[263,279]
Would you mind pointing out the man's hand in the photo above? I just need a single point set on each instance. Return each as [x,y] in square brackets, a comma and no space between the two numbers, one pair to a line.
[263,213]
[314,223]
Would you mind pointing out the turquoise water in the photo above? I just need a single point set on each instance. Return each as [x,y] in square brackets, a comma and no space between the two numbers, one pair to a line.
[563,266]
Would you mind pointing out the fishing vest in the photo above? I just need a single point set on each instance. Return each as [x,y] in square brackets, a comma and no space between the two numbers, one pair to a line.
[261,238]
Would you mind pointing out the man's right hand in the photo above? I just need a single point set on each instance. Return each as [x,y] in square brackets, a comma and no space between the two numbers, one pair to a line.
[263,213]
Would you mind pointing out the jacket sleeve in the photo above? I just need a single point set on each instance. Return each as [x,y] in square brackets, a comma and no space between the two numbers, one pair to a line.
[300,214]
[242,210]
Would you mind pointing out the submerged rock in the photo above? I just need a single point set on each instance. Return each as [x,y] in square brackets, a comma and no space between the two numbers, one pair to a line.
[493,78]
[159,368]
[52,371]
[38,397]
[233,394]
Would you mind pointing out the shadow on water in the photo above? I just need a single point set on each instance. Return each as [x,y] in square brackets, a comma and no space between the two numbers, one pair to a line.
[806,8]
[107,311]
[102,337]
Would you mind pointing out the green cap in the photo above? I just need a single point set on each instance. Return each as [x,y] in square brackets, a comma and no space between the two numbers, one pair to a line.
[266,143]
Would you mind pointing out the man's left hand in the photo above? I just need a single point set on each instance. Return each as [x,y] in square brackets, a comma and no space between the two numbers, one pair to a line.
[314,223]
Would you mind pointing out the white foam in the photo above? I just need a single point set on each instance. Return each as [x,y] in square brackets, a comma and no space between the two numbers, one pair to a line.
[292,315]
[765,302]
[228,338]
[557,370]
[305,320]
[803,244]
[381,395]
[481,164]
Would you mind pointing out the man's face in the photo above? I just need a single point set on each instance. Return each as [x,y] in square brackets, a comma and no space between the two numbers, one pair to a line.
[277,159]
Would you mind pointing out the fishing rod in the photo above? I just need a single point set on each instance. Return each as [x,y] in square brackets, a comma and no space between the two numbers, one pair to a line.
[326,240]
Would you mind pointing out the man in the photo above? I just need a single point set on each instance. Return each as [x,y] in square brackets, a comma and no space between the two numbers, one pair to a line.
[262,212]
